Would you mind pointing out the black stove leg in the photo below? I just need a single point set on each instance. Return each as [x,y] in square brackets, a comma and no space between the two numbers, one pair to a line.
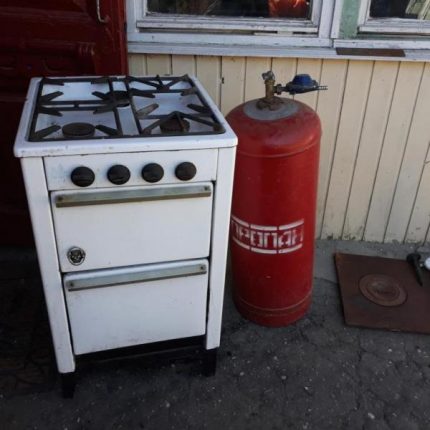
[209,362]
[68,383]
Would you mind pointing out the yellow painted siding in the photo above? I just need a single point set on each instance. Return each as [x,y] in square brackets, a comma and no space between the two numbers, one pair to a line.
[374,179]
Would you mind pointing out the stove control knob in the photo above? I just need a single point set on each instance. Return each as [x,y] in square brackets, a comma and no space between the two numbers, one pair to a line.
[152,172]
[82,176]
[185,171]
[118,174]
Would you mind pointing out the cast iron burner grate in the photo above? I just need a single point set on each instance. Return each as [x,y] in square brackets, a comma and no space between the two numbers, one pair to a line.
[114,100]
[174,125]
[117,97]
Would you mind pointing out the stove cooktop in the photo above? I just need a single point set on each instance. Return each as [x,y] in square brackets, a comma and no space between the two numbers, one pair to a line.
[116,107]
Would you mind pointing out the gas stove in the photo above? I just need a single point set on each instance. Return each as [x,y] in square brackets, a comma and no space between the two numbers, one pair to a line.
[129,183]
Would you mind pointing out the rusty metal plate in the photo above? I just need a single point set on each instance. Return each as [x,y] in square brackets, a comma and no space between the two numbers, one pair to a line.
[382,290]
[383,293]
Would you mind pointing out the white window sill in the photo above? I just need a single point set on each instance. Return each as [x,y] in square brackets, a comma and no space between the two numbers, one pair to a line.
[269,46]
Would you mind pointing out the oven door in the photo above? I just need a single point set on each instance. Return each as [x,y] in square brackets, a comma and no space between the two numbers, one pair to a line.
[103,228]
[132,306]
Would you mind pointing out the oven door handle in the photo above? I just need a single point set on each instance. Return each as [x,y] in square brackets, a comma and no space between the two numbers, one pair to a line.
[65,200]
[109,280]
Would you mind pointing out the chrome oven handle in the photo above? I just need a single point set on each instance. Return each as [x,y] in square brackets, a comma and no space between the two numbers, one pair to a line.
[135,277]
[65,200]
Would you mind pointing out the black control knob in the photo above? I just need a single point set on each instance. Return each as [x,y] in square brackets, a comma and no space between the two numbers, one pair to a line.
[82,176]
[152,172]
[118,174]
[185,171]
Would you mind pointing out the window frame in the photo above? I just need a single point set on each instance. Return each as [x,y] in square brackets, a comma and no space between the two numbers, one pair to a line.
[388,26]
[160,29]
[195,22]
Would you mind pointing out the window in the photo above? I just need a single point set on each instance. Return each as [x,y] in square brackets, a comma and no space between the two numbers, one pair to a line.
[395,17]
[293,16]
[269,23]
[278,27]
[241,8]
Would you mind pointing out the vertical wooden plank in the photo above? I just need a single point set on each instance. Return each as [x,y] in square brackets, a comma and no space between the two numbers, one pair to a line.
[374,126]
[254,84]
[137,64]
[313,68]
[420,219]
[208,70]
[233,80]
[351,120]
[412,165]
[158,64]
[183,64]
[329,105]
[399,121]
[284,69]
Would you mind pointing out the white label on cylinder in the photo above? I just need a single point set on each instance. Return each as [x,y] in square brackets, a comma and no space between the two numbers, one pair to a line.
[268,239]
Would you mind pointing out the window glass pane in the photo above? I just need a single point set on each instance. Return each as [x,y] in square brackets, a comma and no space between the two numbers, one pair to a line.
[410,9]
[243,8]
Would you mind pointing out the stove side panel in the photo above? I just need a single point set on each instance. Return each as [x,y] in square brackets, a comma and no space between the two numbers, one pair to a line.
[220,231]
[43,231]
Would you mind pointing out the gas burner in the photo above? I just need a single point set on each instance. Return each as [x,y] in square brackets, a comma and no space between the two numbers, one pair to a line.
[178,123]
[175,125]
[78,130]
[118,97]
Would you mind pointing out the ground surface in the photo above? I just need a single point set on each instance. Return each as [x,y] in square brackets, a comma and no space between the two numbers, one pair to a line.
[318,374]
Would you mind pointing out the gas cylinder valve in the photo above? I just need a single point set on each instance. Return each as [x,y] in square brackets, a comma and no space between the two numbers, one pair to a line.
[301,84]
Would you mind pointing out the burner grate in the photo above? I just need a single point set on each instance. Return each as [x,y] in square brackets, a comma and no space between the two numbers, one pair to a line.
[116,101]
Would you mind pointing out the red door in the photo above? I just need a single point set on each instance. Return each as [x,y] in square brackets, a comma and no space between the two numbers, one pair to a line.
[47,38]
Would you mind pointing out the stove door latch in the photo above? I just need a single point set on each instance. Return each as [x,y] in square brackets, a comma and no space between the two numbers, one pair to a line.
[76,256]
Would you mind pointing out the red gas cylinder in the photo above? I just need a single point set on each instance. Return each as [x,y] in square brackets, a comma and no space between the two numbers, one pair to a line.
[274,204]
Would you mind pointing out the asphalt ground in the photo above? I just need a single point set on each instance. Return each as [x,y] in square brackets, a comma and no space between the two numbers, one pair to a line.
[316,374]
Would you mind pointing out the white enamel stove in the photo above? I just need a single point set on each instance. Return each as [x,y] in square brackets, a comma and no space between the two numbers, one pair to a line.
[129,185]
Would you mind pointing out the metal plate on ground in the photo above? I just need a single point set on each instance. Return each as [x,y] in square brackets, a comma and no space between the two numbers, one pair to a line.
[383,293]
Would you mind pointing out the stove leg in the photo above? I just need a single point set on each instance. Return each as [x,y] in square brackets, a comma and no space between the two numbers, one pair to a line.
[209,362]
[68,383]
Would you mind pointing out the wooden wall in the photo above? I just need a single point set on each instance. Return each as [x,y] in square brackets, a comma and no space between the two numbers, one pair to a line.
[375,160]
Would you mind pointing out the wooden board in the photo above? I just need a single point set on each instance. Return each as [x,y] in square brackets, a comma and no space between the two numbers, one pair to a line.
[419,223]
[137,65]
[412,165]
[352,114]
[333,75]
[183,65]
[372,136]
[208,71]
[395,139]
[254,84]
[233,83]
[159,64]
[284,69]
[373,182]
